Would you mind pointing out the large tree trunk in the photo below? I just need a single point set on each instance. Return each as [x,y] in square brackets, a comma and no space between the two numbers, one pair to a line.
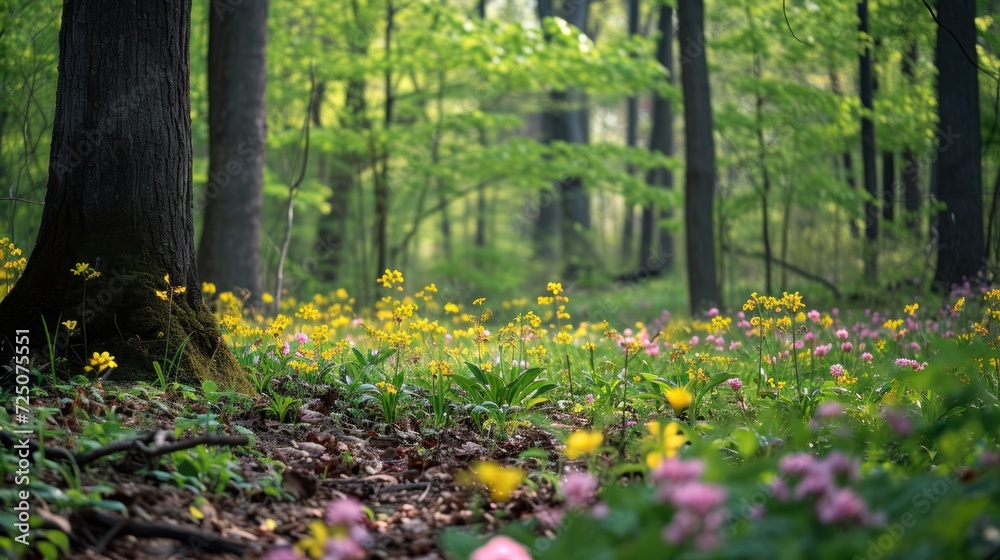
[229,252]
[119,197]
[869,174]
[699,177]
[961,248]
[631,140]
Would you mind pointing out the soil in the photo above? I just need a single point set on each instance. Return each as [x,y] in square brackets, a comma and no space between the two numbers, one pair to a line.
[412,479]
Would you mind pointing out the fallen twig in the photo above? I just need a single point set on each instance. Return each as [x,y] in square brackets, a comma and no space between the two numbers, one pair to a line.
[139,444]
[199,541]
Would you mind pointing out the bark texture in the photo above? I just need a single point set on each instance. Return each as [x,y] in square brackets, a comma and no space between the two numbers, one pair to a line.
[119,197]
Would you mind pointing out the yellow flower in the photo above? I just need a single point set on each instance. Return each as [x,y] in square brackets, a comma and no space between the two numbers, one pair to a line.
[582,442]
[179,289]
[162,294]
[555,287]
[478,301]
[101,361]
[314,545]
[450,308]
[80,269]
[390,278]
[911,309]
[545,300]
[71,325]
[208,288]
[669,440]
[589,346]
[679,398]
[267,298]
[958,304]
[501,481]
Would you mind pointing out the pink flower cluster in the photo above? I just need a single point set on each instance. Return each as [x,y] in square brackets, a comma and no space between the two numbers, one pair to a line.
[907,362]
[347,517]
[822,350]
[819,479]
[700,512]
[579,489]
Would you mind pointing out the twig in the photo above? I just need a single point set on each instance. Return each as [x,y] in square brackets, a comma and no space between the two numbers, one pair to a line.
[199,541]
[801,272]
[138,444]
[19,199]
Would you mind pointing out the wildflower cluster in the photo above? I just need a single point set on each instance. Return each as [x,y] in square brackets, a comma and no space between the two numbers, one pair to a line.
[341,535]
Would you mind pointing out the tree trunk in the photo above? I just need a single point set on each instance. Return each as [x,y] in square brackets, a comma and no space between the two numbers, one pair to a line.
[911,165]
[661,139]
[480,241]
[888,186]
[119,198]
[631,140]
[869,173]
[229,253]
[699,177]
[565,211]
[961,248]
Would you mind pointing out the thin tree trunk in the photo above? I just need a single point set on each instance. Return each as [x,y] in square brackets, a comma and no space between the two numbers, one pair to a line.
[911,165]
[661,139]
[888,186]
[869,173]
[380,233]
[229,253]
[699,179]
[631,140]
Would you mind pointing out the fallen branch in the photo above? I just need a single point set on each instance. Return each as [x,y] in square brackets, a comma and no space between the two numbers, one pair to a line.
[139,444]
[198,541]
[789,266]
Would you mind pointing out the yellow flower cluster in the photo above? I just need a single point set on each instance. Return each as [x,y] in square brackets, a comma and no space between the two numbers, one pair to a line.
[440,367]
[101,361]
[666,441]
[387,388]
[390,278]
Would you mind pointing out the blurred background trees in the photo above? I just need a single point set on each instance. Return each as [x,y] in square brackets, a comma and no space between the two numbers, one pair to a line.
[491,144]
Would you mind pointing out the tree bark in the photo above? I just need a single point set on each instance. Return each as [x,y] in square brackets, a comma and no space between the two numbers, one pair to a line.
[661,139]
[869,173]
[119,197]
[911,165]
[229,252]
[631,140]
[565,210]
[888,186]
[699,177]
[961,249]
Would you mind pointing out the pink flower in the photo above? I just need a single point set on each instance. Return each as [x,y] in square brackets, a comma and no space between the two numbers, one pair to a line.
[843,334]
[283,554]
[822,350]
[810,336]
[734,345]
[734,383]
[285,349]
[600,510]
[842,507]
[343,549]
[713,312]
[501,548]
[837,370]
[699,497]
[898,421]
[301,337]
[813,316]
[694,341]
[867,357]
[797,463]
[675,472]
[830,409]
[345,511]
[846,347]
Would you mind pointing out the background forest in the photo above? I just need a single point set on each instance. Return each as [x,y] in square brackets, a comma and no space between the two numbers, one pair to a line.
[475,145]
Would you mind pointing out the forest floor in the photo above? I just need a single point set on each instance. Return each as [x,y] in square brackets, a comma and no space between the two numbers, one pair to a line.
[412,483]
